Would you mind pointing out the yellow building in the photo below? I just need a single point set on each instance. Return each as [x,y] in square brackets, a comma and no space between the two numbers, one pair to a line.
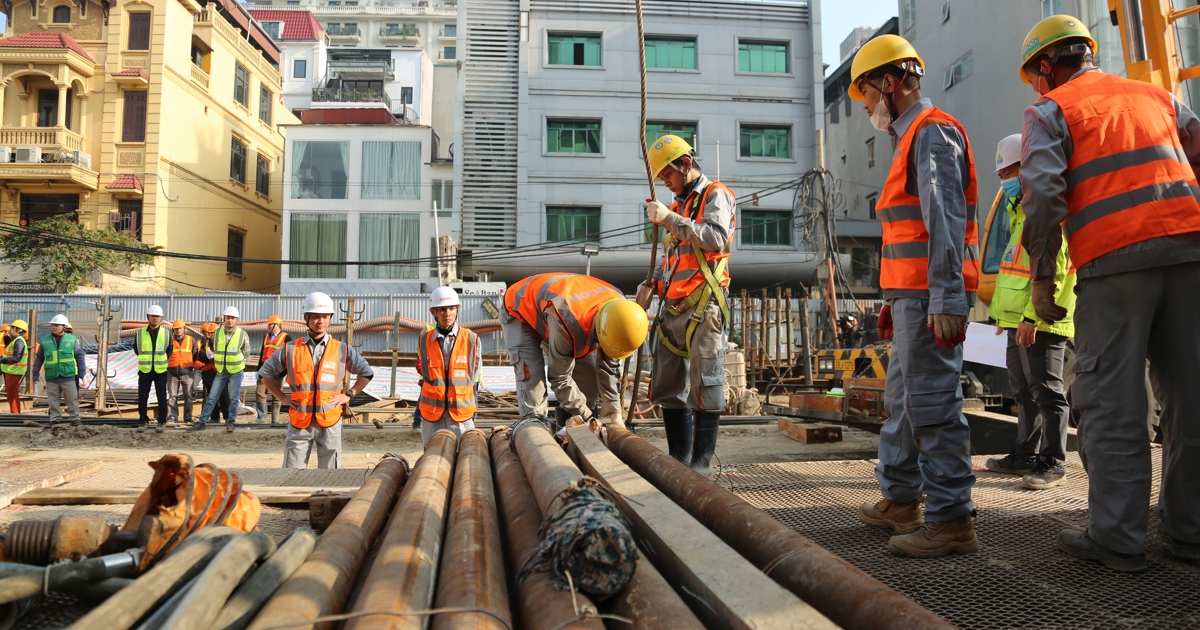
[156,116]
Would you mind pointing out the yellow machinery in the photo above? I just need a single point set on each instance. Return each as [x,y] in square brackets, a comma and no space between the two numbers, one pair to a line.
[835,368]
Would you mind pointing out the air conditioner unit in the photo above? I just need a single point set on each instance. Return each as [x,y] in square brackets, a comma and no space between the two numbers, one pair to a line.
[29,154]
[83,159]
[6,154]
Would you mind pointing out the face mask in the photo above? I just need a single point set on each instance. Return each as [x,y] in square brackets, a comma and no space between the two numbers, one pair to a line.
[1012,187]
[881,118]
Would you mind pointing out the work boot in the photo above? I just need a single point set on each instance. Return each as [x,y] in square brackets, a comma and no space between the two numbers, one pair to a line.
[260,408]
[704,440]
[1047,474]
[274,412]
[162,426]
[1011,464]
[1179,549]
[229,428]
[934,540]
[678,424]
[901,518]
[76,422]
[199,426]
[141,427]
[1080,544]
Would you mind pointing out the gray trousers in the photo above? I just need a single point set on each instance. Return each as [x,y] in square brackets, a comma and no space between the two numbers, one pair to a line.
[1120,321]
[457,428]
[526,353]
[59,393]
[1036,377]
[697,382]
[924,447]
[174,383]
[298,447]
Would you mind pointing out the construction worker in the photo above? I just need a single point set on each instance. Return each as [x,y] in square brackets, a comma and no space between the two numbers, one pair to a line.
[180,368]
[316,367]
[1036,350]
[570,315]
[14,362]
[62,356]
[449,362]
[231,346]
[687,379]
[1112,163]
[207,364]
[150,344]
[929,272]
[273,341]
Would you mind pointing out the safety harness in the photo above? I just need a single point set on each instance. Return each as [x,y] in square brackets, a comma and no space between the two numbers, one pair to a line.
[698,300]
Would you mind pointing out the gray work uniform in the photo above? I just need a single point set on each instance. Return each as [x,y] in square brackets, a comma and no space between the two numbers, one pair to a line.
[447,423]
[698,381]
[1137,302]
[924,447]
[298,447]
[1035,375]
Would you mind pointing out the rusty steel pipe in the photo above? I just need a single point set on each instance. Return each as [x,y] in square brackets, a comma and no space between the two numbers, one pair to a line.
[850,598]
[472,573]
[540,606]
[402,575]
[321,585]
[548,468]
[649,602]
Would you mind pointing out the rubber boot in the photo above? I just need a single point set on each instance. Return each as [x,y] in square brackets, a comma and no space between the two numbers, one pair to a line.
[274,413]
[261,409]
[704,442]
[678,424]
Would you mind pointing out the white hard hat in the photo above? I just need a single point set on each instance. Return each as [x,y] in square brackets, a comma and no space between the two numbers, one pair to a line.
[1008,151]
[444,296]
[60,319]
[231,312]
[154,310]
[319,303]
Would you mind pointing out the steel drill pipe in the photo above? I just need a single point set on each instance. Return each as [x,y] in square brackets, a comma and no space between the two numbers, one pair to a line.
[402,576]
[472,572]
[540,606]
[321,585]
[649,602]
[850,598]
[200,607]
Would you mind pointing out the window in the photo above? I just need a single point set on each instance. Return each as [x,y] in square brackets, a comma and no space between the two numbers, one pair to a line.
[334,3]
[241,85]
[997,241]
[761,141]
[443,193]
[47,112]
[62,15]
[656,130]
[262,176]
[958,70]
[766,227]
[319,170]
[908,14]
[945,12]
[1051,7]
[450,52]
[237,162]
[317,237]
[139,31]
[391,170]
[133,118]
[388,237]
[677,53]
[299,68]
[293,3]
[450,30]
[348,29]
[272,29]
[572,136]
[768,57]
[566,49]
[871,153]
[129,217]
[200,57]
[872,199]
[406,95]
[265,101]
[236,249]
[572,224]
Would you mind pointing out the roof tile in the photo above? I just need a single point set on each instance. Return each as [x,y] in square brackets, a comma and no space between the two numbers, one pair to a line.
[296,24]
[125,182]
[44,40]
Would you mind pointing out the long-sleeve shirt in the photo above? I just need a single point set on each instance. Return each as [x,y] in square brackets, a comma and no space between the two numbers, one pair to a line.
[276,366]
[560,364]
[447,341]
[40,358]
[18,350]
[939,168]
[1046,149]
[711,234]
[245,340]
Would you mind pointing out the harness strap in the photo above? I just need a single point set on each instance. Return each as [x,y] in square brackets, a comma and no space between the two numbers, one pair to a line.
[698,300]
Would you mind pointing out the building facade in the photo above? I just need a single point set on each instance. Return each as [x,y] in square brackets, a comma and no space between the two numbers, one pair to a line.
[303,53]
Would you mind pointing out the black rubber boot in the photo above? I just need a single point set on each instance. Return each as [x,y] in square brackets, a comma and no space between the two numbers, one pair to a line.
[678,423]
[704,444]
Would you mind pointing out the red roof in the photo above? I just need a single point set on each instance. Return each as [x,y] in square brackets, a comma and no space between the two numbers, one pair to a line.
[132,72]
[44,40]
[125,182]
[296,24]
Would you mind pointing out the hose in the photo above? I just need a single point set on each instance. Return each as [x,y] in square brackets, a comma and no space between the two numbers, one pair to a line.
[98,591]
[203,602]
[252,595]
[158,619]
[21,581]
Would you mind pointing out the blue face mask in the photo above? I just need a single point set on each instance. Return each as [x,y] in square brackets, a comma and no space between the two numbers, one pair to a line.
[1012,187]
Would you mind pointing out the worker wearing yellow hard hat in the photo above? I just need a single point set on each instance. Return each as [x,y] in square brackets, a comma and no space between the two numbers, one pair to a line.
[929,272]
[14,363]
[273,342]
[1111,163]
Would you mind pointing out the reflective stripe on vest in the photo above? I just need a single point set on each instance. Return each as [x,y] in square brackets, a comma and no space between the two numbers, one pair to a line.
[22,365]
[905,261]
[152,358]
[576,299]
[313,388]
[445,388]
[1128,179]
[59,358]
[680,265]
[270,347]
[227,353]
[181,353]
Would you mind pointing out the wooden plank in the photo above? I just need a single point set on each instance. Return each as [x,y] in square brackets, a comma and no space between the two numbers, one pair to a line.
[810,432]
[736,594]
[18,477]
[269,495]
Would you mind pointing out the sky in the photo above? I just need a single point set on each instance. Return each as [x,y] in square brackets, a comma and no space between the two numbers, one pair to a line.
[839,17]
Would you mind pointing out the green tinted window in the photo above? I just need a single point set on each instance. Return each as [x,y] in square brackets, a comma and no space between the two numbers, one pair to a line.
[676,53]
[766,142]
[572,136]
[573,50]
[656,130]
[762,57]
[572,224]
[766,227]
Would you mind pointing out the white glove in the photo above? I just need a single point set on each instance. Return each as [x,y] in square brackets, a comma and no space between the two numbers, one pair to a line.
[645,294]
[657,212]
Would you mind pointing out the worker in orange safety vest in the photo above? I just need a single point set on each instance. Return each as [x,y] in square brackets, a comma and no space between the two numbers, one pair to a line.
[273,341]
[450,364]
[180,370]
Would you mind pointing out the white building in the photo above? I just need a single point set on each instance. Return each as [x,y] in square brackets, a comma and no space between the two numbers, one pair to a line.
[303,52]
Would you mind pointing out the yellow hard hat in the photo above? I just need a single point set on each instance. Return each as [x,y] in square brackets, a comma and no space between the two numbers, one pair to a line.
[665,150]
[621,327]
[21,324]
[1050,31]
[881,51]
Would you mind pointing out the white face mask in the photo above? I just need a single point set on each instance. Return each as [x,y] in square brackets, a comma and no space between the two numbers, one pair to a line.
[881,118]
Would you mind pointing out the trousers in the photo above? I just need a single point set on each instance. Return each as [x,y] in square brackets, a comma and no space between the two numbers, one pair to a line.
[159,383]
[59,393]
[174,383]
[457,428]
[1035,375]
[228,384]
[697,382]
[298,447]
[12,391]
[222,409]
[526,355]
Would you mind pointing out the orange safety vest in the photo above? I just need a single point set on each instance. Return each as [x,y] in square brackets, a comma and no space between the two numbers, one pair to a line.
[313,387]
[1128,179]
[454,391]
[576,299]
[686,277]
[181,353]
[905,262]
[270,347]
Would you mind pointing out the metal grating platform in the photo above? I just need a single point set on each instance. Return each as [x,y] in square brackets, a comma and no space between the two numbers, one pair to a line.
[1017,580]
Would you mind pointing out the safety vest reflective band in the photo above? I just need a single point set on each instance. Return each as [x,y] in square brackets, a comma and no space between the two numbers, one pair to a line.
[152,358]
[905,261]
[1128,179]
[447,388]
[576,299]
[227,354]
[681,264]
[22,365]
[270,347]
[313,388]
[181,352]
[59,358]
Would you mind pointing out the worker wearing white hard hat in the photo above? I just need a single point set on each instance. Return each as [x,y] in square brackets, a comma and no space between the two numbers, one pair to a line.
[231,346]
[152,345]
[316,368]
[449,364]
[61,354]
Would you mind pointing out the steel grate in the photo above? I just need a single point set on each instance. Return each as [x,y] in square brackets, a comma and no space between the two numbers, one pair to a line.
[1018,579]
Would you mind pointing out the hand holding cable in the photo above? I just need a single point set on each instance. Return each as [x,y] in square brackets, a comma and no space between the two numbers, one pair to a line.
[656,212]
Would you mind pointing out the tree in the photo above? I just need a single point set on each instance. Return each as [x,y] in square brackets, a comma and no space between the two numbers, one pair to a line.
[66,265]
